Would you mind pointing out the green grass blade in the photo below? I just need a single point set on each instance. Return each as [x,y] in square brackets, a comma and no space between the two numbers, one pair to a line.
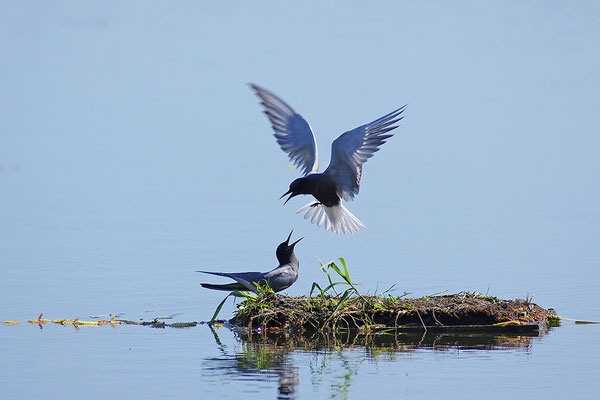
[316,285]
[248,285]
[343,297]
[333,266]
[325,269]
[380,306]
[245,295]
[346,274]
[263,290]
[339,272]
[214,317]
[332,285]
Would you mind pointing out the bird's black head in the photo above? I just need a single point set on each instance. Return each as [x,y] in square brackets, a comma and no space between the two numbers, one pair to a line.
[298,186]
[285,251]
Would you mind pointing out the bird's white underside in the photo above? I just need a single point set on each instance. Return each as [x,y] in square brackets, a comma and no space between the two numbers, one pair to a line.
[336,219]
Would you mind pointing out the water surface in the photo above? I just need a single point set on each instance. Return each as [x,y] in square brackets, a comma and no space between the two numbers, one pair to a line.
[132,153]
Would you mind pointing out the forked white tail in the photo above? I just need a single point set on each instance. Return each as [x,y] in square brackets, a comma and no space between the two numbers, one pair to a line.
[336,219]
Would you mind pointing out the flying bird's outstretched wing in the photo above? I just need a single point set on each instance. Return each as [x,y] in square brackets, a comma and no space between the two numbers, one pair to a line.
[353,148]
[291,131]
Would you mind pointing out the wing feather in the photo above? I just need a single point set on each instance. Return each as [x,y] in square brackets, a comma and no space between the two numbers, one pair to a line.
[353,148]
[292,132]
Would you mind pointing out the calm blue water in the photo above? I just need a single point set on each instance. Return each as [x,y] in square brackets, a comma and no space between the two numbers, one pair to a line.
[132,153]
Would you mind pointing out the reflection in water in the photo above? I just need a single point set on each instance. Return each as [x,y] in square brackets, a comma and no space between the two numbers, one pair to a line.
[257,361]
[271,356]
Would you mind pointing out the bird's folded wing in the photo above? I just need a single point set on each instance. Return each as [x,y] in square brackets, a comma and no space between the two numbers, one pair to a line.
[279,271]
[291,131]
[353,148]
[281,277]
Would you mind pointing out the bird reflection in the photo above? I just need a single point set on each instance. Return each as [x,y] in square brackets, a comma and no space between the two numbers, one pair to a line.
[260,361]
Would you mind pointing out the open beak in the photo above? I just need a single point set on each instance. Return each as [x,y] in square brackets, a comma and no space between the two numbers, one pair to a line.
[296,242]
[285,194]
[288,240]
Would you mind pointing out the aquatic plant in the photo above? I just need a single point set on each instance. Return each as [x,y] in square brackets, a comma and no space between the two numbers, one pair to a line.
[261,290]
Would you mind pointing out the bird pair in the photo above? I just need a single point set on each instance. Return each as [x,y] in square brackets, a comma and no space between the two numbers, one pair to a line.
[340,181]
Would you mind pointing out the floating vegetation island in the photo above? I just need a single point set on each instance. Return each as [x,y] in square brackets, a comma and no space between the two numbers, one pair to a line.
[331,310]
[463,311]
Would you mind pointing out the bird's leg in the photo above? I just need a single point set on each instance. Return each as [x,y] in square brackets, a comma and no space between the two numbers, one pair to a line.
[316,204]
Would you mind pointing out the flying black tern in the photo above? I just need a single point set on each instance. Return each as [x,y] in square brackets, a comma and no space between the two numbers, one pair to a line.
[341,179]
[278,279]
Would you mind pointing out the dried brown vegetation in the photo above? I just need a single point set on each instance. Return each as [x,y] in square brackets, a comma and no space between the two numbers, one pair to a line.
[463,310]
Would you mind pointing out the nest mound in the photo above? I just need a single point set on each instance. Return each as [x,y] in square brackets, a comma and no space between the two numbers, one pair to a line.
[460,311]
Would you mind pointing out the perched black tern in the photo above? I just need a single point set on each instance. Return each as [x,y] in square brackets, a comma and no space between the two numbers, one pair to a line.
[341,179]
[278,279]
